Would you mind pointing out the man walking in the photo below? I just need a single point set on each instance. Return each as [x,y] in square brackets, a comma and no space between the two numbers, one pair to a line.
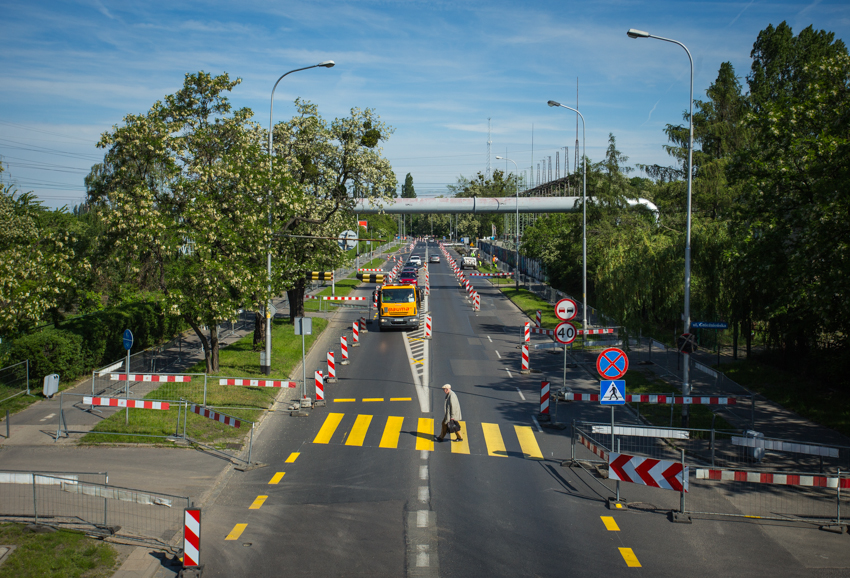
[452,412]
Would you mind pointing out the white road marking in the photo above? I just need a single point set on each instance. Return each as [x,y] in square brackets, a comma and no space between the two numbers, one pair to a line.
[422,557]
[509,373]
[47,417]
[422,519]
[540,429]
[520,394]
[423,472]
[488,337]
[498,354]
[423,493]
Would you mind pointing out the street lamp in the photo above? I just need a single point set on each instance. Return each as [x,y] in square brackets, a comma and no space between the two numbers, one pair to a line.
[686,388]
[267,368]
[583,218]
[516,186]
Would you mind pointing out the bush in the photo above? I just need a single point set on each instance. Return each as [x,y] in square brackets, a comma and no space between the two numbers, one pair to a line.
[50,351]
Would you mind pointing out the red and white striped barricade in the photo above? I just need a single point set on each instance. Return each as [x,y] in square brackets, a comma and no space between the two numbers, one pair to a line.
[658,399]
[427,327]
[192,538]
[605,331]
[343,346]
[124,402]
[477,301]
[330,298]
[597,450]
[215,416]
[525,365]
[363,325]
[539,318]
[805,480]
[526,336]
[377,270]
[320,387]
[355,335]
[331,368]
[663,474]
[150,377]
[544,398]
[256,382]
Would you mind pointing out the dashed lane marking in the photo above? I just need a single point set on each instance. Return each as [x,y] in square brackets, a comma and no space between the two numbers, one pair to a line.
[519,391]
[401,399]
[367,399]
[498,354]
[630,558]
[610,523]
[488,337]
[277,478]
[258,502]
[358,432]
[236,532]
[346,400]
[292,457]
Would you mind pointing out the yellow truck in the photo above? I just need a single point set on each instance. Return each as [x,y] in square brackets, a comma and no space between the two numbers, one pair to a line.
[399,306]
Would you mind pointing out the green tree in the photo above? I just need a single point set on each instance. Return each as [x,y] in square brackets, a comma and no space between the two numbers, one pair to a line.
[407,190]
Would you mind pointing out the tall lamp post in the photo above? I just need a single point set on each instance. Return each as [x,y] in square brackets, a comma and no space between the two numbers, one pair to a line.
[267,367]
[686,387]
[516,187]
[583,217]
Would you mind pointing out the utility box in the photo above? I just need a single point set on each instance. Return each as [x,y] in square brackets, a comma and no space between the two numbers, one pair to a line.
[51,385]
[757,453]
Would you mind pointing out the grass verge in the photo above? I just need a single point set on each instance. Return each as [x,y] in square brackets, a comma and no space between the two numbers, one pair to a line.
[246,403]
[531,303]
[60,554]
[811,398]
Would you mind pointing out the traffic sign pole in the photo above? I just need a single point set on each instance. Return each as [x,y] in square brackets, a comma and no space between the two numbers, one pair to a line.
[128,344]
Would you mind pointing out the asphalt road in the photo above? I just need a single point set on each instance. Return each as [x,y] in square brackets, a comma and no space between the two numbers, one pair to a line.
[360,488]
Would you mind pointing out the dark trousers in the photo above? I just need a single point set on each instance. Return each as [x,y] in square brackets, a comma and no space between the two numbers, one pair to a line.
[445,430]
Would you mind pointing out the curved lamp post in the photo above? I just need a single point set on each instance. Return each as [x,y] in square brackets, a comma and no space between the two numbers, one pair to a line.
[516,186]
[686,387]
[267,368]
[583,216]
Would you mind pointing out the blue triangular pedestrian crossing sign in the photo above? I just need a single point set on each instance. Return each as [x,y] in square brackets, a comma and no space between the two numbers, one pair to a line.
[612,392]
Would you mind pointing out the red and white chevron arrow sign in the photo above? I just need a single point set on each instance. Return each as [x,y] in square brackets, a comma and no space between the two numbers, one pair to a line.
[648,472]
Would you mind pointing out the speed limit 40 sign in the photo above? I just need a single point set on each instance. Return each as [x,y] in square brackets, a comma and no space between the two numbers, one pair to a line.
[565,332]
[566,309]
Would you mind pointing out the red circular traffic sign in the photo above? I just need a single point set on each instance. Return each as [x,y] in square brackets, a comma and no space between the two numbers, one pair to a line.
[566,309]
[565,332]
[612,363]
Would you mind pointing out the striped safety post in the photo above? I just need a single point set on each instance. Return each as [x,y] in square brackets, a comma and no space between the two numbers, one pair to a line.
[192,538]
[539,318]
[331,368]
[544,398]
[320,386]
[363,325]
[527,333]
[525,365]
[427,327]
[477,301]
[343,346]
[355,337]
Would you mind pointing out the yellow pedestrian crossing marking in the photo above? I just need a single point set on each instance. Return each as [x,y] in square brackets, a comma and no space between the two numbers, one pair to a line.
[236,532]
[373,399]
[276,478]
[494,441]
[258,502]
[461,447]
[528,443]
[630,558]
[292,457]
[358,432]
[610,524]
[328,428]
[391,432]
[425,434]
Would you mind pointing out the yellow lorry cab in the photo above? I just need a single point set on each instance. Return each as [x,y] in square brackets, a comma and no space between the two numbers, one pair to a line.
[399,306]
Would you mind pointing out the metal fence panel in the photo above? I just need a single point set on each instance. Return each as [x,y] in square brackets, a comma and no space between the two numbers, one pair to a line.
[14,380]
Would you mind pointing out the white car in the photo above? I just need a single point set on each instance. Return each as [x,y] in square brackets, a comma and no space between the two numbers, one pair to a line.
[416,259]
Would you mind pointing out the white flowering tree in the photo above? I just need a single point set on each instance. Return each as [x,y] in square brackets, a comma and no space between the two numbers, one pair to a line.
[186,203]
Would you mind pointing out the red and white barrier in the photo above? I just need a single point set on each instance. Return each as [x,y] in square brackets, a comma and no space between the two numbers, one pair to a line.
[124,402]
[363,325]
[592,447]
[663,399]
[377,270]
[525,364]
[778,479]
[191,537]
[476,301]
[343,346]
[551,332]
[257,382]
[320,387]
[150,377]
[544,397]
[648,472]
[538,319]
[329,298]
[215,416]
[331,368]
[355,336]
[489,274]
[526,336]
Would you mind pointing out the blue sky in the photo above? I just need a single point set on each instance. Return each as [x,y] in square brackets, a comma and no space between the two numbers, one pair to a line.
[436,71]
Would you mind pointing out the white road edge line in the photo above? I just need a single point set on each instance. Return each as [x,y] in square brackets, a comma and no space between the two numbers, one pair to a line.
[520,393]
[509,373]
[488,337]
[498,354]
[423,472]
[424,492]
[422,519]
[540,429]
